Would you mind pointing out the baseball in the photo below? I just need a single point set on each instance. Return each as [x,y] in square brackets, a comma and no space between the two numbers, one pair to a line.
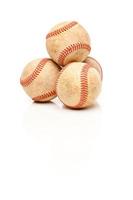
[78,85]
[94,63]
[68,42]
[39,79]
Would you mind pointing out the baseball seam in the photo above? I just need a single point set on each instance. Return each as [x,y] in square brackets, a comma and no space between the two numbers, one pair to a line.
[28,80]
[44,96]
[84,86]
[101,71]
[61,30]
[70,49]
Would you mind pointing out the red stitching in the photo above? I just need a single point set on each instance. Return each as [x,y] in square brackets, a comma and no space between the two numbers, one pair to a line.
[44,96]
[98,64]
[84,86]
[61,30]
[68,50]
[27,81]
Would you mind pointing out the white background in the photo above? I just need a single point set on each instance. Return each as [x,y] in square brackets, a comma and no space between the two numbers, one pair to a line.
[50,152]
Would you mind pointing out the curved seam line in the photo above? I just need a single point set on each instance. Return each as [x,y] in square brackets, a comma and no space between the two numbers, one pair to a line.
[27,81]
[70,49]
[44,96]
[84,86]
[101,71]
[61,30]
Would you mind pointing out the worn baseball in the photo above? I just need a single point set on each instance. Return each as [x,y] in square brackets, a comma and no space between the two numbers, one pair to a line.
[39,79]
[67,42]
[92,62]
[78,85]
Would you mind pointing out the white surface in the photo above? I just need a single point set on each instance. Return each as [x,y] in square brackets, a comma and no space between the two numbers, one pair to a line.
[50,152]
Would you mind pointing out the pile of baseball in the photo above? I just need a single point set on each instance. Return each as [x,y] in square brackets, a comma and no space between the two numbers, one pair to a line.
[69,73]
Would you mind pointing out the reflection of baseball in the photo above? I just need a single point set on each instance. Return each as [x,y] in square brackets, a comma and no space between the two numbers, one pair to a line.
[67,42]
[78,85]
[94,63]
[39,79]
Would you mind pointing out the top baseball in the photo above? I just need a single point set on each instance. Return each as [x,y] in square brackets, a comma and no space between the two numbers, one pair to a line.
[67,42]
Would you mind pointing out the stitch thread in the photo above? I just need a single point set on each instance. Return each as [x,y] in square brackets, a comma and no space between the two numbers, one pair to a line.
[27,81]
[44,96]
[84,86]
[68,50]
[61,30]
[101,71]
